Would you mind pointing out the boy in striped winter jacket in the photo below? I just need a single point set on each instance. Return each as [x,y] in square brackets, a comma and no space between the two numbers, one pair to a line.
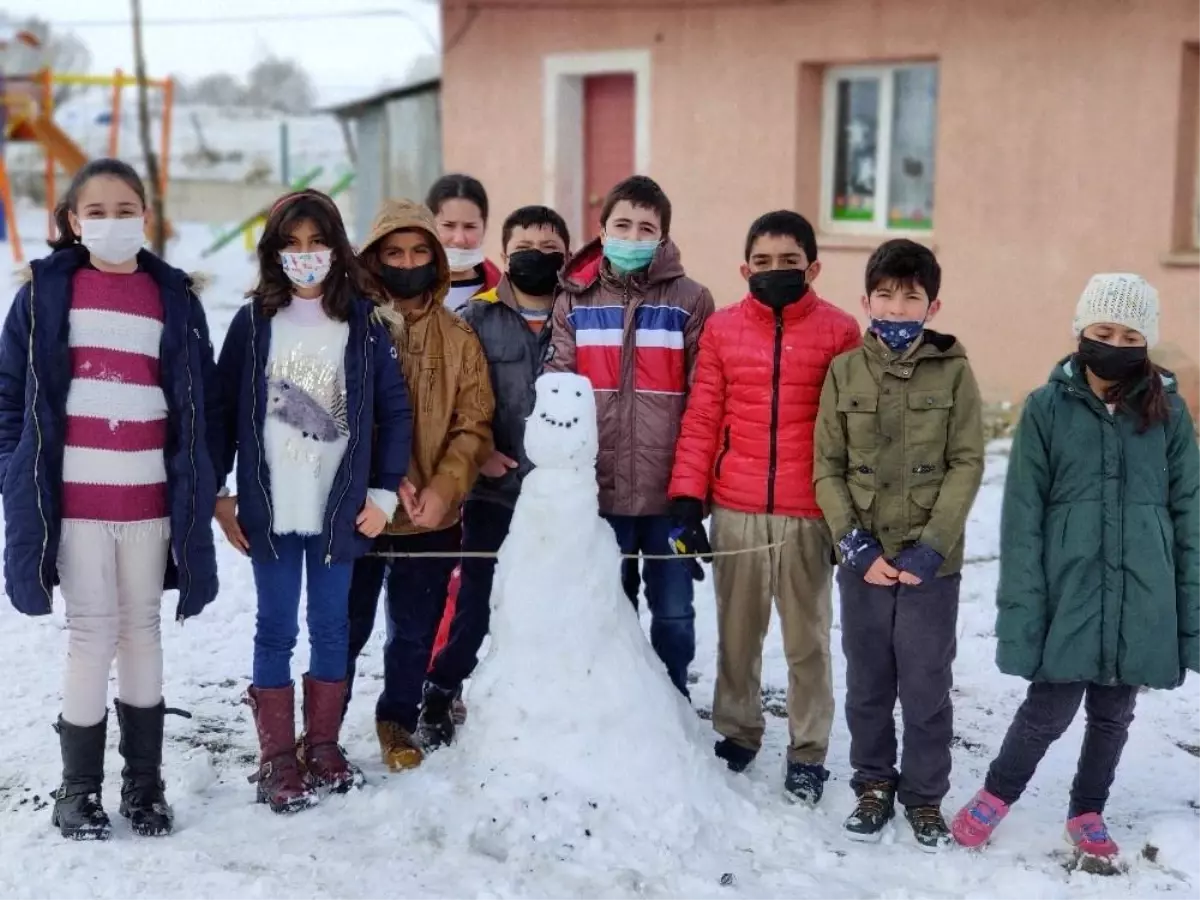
[105,369]
[629,320]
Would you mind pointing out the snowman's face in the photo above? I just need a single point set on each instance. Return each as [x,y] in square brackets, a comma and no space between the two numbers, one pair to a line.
[561,431]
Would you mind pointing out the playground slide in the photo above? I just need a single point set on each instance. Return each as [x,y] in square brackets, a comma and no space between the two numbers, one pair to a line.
[58,144]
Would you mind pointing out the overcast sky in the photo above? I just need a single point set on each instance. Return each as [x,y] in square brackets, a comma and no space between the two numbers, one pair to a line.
[345,53]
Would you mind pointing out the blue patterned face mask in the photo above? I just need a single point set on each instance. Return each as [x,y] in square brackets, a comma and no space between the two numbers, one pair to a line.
[898,336]
[629,256]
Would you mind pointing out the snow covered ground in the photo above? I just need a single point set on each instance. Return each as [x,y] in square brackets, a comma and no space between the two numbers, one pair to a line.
[444,831]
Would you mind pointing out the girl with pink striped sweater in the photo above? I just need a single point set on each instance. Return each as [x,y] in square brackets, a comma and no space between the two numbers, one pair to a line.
[107,485]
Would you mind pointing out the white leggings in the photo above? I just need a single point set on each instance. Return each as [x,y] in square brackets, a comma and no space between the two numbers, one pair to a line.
[112,581]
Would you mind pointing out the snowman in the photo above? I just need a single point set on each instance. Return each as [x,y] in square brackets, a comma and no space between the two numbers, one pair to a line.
[573,714]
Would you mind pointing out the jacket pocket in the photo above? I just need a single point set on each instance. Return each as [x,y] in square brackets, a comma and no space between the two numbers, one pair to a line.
[862,423]
[928,416]
[722,454]
[429,375]
[921,501]
[863,498]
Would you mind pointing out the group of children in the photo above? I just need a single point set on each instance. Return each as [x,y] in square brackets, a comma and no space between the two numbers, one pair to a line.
[374,405]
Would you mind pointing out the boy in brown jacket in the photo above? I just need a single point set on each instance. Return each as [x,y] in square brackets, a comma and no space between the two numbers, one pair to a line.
[452,403]
[629,320]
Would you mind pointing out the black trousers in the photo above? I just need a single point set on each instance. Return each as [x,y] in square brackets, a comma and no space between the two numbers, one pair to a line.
[416,600]
[1047,712]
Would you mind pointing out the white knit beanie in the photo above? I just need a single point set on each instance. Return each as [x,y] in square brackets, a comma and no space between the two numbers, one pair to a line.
[1122,299]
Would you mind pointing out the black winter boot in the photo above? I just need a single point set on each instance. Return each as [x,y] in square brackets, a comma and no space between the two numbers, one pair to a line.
[436,726]
[142,800]
[876,807]
[78,813]
[737,757]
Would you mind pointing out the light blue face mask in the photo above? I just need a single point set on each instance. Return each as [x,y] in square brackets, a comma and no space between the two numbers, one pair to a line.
[629,256]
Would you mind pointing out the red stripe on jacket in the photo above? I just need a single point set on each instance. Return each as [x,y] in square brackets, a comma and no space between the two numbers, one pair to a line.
[600,364]
[660,370]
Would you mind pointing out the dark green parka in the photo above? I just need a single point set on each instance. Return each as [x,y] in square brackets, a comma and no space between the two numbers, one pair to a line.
[1099,542]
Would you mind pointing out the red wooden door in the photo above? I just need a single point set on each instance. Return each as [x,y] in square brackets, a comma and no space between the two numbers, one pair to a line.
[607,141]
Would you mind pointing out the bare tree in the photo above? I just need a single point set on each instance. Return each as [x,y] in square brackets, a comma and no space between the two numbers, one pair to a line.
[280,84]
[159,223]
[218,89]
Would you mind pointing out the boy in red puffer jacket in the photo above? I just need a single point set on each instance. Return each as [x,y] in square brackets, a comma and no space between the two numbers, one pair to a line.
[747,441]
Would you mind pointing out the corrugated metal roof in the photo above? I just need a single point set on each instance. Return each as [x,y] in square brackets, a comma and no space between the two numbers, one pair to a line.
[354,108]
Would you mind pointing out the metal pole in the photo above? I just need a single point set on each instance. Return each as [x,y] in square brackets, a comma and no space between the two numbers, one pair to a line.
[285,156]
[114,122]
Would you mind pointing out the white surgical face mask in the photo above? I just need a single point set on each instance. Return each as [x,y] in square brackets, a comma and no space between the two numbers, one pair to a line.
[306,269]
[460,260]
[114,241]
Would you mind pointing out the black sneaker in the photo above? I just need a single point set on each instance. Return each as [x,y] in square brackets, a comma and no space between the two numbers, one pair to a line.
[737,757]
[876,807]
[929,828]
[436,726]
[805,783]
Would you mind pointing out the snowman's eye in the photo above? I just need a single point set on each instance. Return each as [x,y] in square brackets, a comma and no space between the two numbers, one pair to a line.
[554,390]
[578,393]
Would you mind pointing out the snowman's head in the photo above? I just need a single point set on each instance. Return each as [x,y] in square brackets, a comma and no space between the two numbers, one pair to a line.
[560,433]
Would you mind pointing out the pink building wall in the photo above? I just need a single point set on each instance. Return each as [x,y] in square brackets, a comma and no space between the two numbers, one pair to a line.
[1064,132]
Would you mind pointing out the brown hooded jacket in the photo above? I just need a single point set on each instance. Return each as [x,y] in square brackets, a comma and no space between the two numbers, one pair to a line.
[448,386]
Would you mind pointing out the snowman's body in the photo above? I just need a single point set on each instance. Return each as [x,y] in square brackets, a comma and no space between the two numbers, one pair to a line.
[571,700]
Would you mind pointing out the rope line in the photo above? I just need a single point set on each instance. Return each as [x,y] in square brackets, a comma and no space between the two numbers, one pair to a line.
[487,554]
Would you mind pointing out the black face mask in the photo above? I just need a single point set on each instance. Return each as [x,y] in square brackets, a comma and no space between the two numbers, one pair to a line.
[409,283]
[1109,362]
[534,272]
[779,288]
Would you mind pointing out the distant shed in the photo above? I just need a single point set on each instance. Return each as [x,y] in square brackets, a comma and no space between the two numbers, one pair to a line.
[395,140]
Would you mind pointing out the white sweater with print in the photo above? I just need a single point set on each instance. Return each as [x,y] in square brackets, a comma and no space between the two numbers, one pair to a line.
[306,431]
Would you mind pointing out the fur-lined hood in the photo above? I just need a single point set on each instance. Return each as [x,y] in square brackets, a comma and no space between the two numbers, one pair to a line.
[396,215]
[197,282]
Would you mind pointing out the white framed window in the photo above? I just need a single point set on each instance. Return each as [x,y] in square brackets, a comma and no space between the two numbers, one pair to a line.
[879,127]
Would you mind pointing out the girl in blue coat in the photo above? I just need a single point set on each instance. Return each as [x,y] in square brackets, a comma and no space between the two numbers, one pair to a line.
[106,370]
[315,409]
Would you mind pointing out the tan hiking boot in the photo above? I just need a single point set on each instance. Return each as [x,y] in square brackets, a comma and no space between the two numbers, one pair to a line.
[397,747]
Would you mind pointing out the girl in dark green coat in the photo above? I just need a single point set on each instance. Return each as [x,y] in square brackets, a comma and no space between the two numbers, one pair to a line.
[1099,557]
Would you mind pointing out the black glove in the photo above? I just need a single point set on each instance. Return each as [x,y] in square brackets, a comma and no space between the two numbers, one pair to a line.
[859,550]
[920,560]
[687,533]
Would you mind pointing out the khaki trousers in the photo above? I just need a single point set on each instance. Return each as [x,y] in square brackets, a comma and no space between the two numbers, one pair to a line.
[798,577]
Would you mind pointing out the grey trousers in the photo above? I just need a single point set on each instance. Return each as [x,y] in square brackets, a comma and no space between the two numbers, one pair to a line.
[900,643]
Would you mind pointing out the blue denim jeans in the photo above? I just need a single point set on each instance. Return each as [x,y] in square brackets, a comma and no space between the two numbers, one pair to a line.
[669,591]
[278,623]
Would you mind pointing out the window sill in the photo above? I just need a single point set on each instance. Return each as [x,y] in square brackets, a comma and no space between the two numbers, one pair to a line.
[1182,259]
[837,240]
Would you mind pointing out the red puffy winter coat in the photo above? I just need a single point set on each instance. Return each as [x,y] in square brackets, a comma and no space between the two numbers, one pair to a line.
[747,434]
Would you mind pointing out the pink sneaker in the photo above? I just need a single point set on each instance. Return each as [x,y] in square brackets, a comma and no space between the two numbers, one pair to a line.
[1089,835]
[977,820]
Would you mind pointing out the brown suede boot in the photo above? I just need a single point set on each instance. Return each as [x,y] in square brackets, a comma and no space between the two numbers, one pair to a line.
[398,746]
[280,781]
[321,755]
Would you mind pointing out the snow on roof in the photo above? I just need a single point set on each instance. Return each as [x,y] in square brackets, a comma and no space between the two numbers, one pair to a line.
[355,107]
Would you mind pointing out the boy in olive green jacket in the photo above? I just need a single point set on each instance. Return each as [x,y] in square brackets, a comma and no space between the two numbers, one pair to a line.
[898,461]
